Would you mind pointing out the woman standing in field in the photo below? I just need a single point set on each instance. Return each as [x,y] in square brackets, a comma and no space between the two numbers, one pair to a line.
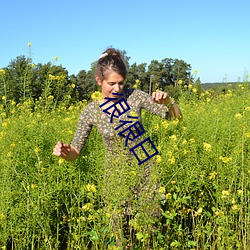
[114,116]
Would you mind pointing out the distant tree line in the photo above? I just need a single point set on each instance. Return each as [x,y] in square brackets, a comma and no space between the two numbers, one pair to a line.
[22,79]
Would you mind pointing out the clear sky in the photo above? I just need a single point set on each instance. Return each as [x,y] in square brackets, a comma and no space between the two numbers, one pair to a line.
[212,36]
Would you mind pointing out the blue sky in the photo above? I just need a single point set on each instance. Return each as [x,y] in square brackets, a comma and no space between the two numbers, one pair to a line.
[212,36]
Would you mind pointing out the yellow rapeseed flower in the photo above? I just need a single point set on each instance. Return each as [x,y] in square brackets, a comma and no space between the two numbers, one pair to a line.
[198,212]
[37,149]
[225,159]
[87,207]
[162,190]
[158,159]
[173,137]
[164,124]
[238,116]
[171,160]
[168,196]
[2,72]
[207,147]
[195,71]
[91,188]
[180,82]
[225,193]
[2,217]
[96,96]
[29,44]
[235,207]
[239,192]
[212,175]
[156,127]
[56,58]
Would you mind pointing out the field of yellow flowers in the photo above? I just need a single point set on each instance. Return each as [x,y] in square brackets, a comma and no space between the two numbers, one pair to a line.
[203,165]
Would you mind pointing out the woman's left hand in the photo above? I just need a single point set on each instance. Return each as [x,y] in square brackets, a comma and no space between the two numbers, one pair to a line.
[161,97]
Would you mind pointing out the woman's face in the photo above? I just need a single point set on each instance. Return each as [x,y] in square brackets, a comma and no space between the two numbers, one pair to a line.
[114,83]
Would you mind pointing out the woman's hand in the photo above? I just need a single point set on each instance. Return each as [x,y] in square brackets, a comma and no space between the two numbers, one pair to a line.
[161,97]
[65,151]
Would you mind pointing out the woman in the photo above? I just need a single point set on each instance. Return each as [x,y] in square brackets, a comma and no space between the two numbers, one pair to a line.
[110,74]
[119,109]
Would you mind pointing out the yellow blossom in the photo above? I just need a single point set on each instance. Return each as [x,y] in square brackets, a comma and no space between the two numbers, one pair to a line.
[239,192]
[2,217]
[168,196]
[180,82]
[135,86]
[238,116]
[158,159]
[61,161]
[198,212]
[164,124]
[225,159]
[3,97]
[29,44]
[225,193]
[190,86]
[191,140]
[91,188]
[194,90]
[218,212]
[184,141]
[162,190]
[2,72]
[96,96]
[4,124]
[195,71]
[73,85]
[247,108]
[56,58]
[156,127]
[235,207]
[87,207]
[207,147]
[173,137]
[133,173]
[37,149]
[212,175]
[171,160]
[137,80]
[50,97]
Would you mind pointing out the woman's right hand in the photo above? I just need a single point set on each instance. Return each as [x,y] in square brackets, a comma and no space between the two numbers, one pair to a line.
[62,149]
[66,151]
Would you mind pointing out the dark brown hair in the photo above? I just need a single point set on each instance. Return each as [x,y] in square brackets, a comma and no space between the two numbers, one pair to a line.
[110,60]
